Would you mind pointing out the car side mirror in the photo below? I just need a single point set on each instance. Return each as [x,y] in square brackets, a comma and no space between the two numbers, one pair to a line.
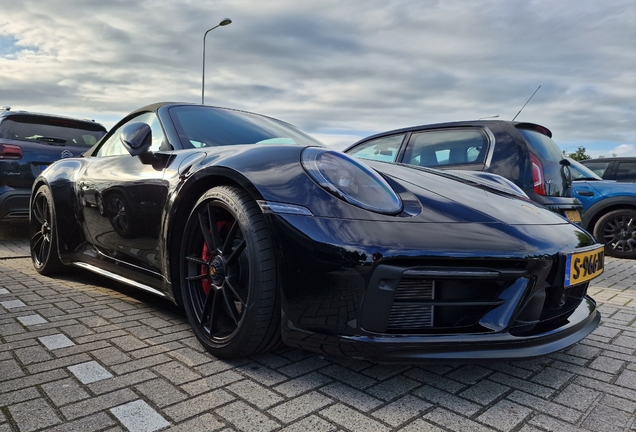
[136,137]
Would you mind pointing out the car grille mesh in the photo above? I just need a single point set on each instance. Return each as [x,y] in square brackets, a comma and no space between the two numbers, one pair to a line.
[415,290]
[408,315]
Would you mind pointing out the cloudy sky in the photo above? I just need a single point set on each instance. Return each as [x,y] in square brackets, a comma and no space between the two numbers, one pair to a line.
[339,69]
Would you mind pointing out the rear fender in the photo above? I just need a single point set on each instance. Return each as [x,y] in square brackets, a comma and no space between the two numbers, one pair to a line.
[66,209]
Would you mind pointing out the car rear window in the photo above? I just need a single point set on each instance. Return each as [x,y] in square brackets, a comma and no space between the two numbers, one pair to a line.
[51,130]
[542,144]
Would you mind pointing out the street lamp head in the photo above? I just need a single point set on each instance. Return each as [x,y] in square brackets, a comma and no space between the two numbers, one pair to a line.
[225,22]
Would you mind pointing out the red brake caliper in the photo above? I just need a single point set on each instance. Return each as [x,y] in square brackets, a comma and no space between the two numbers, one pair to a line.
[206,284]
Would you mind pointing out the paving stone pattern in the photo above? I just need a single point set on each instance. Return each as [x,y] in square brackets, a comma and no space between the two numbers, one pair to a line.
[81,353]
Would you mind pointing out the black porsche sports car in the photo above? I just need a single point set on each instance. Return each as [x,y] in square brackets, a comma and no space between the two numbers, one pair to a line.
[264,235]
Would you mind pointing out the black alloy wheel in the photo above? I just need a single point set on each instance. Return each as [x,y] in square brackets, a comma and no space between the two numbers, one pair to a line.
[42,226]
[120,216]
[617,230]
[228,275]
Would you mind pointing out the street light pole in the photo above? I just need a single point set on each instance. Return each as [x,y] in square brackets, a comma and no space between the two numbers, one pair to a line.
[225,22]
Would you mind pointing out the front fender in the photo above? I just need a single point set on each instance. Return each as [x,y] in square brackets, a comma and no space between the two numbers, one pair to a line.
[595,211]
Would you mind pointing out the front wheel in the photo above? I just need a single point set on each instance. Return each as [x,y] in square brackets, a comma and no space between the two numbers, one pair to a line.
[228,275]
[617,230]
[42,230]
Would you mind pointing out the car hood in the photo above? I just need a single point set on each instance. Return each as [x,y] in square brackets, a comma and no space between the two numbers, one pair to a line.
[484,198]
[429,196]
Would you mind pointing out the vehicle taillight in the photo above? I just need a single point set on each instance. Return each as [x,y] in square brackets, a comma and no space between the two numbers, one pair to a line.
[537,175]
[8,151]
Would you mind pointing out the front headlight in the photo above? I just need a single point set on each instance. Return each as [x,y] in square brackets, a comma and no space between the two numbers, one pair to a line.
[351,180]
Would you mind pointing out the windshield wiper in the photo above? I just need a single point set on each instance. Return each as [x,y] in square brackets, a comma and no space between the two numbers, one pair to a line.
[54,140]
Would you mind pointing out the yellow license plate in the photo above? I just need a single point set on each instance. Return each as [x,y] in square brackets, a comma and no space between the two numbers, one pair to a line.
[583,266]
[573,215]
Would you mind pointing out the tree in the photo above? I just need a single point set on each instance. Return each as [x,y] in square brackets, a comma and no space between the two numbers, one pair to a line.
[578,155]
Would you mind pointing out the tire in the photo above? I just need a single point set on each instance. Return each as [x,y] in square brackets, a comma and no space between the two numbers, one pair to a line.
[43,233]
[617,230]
[228,275]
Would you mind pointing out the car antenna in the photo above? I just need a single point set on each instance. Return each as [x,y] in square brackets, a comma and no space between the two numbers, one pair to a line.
[524,105]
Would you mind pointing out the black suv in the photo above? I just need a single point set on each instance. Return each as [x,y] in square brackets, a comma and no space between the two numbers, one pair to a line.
[29,142]
[521,152]
[615,168]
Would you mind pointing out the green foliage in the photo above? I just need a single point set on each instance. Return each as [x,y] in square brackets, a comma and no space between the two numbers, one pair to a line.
[578,155]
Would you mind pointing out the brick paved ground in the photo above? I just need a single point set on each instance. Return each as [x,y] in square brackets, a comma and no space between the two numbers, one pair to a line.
[81,353]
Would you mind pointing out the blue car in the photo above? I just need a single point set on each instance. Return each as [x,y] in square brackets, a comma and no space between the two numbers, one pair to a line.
[609,210]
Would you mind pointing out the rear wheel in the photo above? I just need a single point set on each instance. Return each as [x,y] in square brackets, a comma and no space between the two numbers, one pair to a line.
[228,275]
[617,230]
[42,228]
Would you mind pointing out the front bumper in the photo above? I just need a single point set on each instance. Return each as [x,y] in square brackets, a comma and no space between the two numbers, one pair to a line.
[430,348]
[393,291]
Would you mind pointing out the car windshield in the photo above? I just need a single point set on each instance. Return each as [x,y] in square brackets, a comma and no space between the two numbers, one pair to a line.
[51,130]
[203,126]
[581,172]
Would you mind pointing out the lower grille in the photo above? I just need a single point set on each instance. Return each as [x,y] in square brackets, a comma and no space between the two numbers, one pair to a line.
[443,299]
[415,290]
[410,316]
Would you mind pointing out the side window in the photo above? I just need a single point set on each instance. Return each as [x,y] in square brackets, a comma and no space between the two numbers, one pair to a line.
[598,167]
[626,171]
[114,147]
[383,149]
[447,147]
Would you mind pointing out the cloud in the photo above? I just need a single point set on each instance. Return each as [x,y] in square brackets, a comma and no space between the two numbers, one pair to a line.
[624,150]
[327,65]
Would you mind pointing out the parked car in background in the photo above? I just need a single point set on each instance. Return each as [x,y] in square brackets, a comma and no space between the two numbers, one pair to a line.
[609,210]
[521,152]
[264,235]
[615,168]
[29,142]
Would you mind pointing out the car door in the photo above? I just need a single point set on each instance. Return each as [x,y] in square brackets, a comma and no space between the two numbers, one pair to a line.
[122,198]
